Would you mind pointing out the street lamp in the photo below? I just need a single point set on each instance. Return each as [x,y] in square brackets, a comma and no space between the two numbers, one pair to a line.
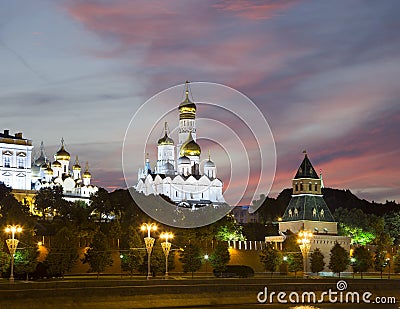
[388,263]
[353,261]
[304,242]
[206,260]
[166,246]
[149,241]
[12,244]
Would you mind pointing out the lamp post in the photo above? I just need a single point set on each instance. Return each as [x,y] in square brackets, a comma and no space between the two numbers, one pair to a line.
[304,242]
[206,260]
[352,261]
[388,263]
[149,241]
[12,244]
[166,246]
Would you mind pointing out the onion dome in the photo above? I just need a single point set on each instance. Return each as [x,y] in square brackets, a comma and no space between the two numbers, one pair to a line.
[183,160]
[168,167]
[56,164]
[165,140]
[48,170]
[86,174]
[42,158]
[62,154]
[190,148]
[209,163]
[187,109]
[43,166]
[76,166]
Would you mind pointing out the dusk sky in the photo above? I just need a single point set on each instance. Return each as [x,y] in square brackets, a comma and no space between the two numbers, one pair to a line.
[325,74]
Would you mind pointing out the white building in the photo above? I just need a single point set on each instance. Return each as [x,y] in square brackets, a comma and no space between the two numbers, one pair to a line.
[76,185]
[181,180]
[15,160]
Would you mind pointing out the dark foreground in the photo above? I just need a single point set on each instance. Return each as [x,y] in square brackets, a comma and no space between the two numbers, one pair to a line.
[199,293]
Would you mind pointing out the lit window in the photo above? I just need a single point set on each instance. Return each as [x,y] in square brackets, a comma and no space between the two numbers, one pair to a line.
[7,161]
[21,162]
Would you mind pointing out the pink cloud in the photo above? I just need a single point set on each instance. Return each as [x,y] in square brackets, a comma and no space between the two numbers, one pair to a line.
[256,9]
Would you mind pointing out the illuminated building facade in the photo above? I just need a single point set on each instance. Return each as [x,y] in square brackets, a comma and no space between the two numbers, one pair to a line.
[182,180]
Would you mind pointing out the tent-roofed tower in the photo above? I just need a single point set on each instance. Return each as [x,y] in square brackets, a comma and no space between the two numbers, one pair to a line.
[307,209]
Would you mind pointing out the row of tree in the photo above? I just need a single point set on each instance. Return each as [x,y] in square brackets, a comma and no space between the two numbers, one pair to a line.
[361,261]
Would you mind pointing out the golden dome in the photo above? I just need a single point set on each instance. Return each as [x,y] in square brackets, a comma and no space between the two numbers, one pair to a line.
[187,109]
[166,140]
[76,166]
[56,164]
[190,148]
[86,174]
[48,170]
[62,154]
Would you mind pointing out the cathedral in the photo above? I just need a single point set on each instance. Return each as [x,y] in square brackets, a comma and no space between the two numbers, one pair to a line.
[19,171]
[76,184]
[182,180]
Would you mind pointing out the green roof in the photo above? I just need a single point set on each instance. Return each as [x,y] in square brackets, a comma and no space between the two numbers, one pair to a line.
[307,207]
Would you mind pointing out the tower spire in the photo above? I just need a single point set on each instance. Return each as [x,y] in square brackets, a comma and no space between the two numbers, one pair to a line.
[42,149]
[320,177]
[187,90]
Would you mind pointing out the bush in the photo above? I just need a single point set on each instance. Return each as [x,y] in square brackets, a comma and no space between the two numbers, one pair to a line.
[234,271]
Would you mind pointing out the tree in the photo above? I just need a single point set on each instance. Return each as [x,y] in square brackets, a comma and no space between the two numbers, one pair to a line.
[63,252]
[132,254]
[220,257]
[25,258]
[4,257]
[101,204]
[230,229]
[379,260]
[396,263]
[339,259]
[317,261]
[157,260]
[362,260]
[392,225]
[12,211]
[295,262]
[270,258]
[98,255]
[191,258]
[49,200]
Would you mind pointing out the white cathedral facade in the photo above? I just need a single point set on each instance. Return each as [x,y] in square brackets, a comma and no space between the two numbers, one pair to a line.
[24,175]
[181,180]
[76,184]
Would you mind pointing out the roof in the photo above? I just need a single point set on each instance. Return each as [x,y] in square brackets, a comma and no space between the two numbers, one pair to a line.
[307,207]
[8,138]
[306,170]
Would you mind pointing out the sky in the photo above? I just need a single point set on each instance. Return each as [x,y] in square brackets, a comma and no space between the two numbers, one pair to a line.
[323,73]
